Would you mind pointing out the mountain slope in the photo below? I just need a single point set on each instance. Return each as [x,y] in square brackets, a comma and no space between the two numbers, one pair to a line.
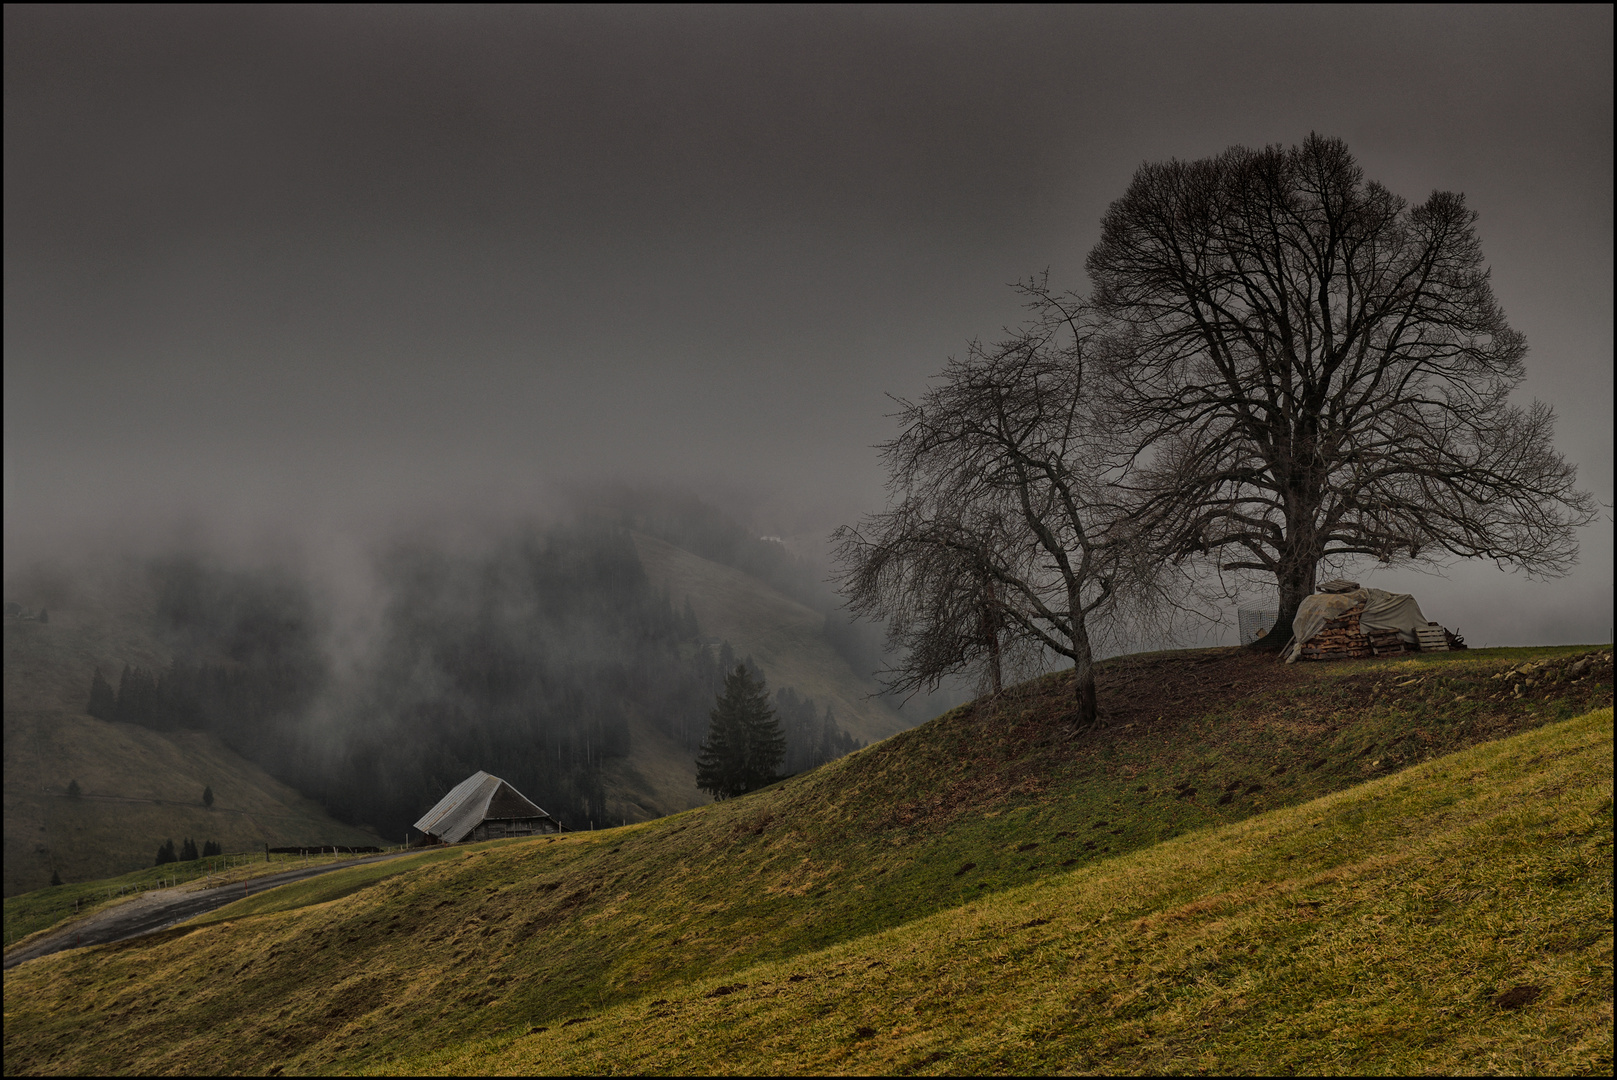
[264,629]
[139,787]
[783,637]
[963,811]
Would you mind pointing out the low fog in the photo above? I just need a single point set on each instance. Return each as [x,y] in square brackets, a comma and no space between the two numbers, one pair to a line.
[347,320]
[538,646]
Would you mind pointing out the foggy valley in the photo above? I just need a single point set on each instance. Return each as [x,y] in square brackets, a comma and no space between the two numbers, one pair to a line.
[686,539]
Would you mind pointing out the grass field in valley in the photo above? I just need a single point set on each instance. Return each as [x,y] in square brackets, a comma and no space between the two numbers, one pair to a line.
[138,787]
[913,866]
[48,908]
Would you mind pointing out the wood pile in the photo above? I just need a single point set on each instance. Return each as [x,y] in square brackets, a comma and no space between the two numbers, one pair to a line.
[1339,639]
[1342,639]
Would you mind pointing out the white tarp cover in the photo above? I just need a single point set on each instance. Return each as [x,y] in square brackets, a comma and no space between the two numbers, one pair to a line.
[1382,611]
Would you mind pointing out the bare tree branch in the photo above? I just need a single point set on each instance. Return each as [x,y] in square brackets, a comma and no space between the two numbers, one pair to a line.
[1312,367]
[1006,534]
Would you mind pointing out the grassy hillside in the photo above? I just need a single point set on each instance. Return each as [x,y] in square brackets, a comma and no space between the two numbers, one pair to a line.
[967,820]
[139,787]
[59,905]
[783,637]
[104,620]
[1453,919]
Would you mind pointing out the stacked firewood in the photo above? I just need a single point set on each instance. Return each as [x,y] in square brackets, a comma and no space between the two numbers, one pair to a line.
[1339,639]
[1342,638]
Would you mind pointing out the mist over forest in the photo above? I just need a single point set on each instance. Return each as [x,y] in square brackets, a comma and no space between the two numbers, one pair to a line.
[534,653]
[372,299]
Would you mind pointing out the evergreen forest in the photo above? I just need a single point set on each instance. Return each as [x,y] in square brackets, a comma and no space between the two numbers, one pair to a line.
[533,658]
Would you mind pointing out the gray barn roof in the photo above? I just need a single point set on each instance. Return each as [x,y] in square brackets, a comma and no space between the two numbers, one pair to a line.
[474,800]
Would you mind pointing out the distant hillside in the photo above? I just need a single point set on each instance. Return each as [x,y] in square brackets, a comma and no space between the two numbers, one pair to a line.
[568,660]
[1367,857]
[138,786]
[103,619]
[783,637]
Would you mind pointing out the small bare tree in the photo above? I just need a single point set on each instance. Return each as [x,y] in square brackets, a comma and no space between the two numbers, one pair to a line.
[1312,367]
[1004,536]
[924,570]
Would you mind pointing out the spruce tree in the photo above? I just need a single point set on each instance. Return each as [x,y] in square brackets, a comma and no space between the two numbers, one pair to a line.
[73,789]
[744,743]
[188,850]
[103,704]
[165,854]
[716,763]
[127,709]
[56,878]
[207,796]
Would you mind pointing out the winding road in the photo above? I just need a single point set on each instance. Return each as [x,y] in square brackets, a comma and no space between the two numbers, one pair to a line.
[161,909]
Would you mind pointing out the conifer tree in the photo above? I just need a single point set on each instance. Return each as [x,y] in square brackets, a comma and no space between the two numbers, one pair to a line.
[188,850]
[73,789]
[744,744]
[207,797]
[103,704]
[131,701]
[717,761]
[165,854]
[56,877]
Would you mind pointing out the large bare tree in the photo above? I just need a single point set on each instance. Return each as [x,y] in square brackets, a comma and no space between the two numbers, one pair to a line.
[1004,536]
[1313,367]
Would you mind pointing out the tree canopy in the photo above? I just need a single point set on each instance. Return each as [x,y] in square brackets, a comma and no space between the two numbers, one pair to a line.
[1312,367]
[1280,363]
[103,705]
[1006,534]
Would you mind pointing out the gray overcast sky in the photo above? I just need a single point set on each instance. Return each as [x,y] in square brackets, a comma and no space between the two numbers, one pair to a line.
[323,263]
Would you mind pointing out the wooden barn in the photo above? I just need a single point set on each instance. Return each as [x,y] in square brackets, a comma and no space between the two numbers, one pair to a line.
[484,807]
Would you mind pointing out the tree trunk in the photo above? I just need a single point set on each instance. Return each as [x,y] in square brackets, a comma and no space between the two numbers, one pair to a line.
[1083,679]
[1296,581]
[1300,552]
[989,623]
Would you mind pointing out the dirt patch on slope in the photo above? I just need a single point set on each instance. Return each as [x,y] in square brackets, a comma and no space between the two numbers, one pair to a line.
[1338,722]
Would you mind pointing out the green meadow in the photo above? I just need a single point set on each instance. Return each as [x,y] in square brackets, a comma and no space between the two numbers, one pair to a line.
[1365,866]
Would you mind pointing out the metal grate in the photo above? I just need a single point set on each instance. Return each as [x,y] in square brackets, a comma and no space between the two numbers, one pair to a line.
[1255,623]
